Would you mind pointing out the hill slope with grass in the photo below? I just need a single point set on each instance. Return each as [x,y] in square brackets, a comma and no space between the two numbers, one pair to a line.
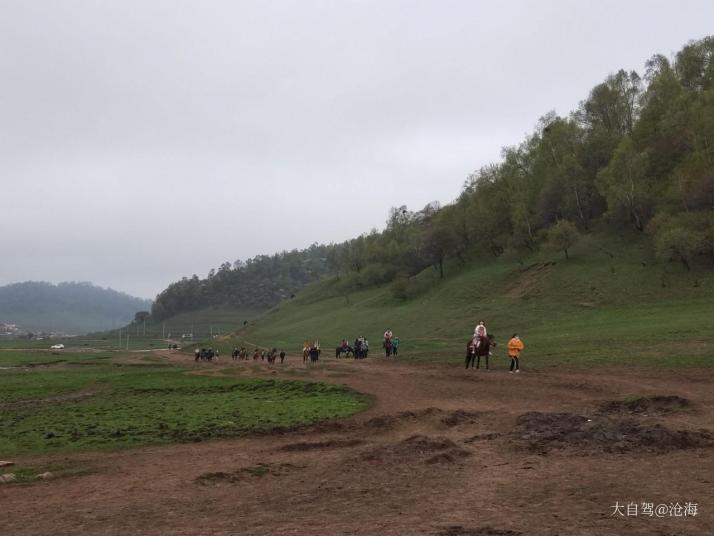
[610,302]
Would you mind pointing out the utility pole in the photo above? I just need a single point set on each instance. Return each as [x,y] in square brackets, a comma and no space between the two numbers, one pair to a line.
[163,330]
[127,341]
[120,338]
[145,327]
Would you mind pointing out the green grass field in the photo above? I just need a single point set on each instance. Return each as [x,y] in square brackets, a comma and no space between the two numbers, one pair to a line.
[609,304]
[98,400]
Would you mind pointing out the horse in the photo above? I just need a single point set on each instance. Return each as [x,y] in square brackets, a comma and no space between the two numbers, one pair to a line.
[474,354]
[346,350]
[314,353]
[387,344]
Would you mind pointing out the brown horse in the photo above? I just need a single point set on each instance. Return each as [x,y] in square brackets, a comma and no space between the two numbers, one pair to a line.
[474,354]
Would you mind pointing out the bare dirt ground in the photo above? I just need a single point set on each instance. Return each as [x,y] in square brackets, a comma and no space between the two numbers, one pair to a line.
[442,451]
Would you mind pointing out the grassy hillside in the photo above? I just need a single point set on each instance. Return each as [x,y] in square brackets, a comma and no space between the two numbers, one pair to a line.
[216,320]
[610,302]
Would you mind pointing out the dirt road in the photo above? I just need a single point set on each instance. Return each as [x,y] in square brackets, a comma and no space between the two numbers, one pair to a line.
[442,451]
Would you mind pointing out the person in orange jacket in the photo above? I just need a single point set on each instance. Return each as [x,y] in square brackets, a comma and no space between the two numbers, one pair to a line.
[515,346]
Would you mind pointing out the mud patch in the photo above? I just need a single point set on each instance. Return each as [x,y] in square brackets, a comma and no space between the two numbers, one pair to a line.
[461,417]
[331,444]
[245,473]
[651,405]
[543,432]
[458,530]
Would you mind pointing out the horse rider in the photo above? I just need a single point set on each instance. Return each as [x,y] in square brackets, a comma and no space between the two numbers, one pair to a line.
[480,333]
[387,336]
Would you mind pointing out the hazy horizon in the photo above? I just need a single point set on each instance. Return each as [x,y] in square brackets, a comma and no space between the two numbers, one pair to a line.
[144,142]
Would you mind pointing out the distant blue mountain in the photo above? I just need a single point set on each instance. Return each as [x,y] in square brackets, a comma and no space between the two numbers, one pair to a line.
[72,308]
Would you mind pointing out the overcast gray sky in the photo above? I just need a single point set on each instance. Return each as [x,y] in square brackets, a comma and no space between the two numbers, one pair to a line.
[141,141]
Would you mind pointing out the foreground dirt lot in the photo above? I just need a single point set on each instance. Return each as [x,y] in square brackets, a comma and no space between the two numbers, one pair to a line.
[442,451]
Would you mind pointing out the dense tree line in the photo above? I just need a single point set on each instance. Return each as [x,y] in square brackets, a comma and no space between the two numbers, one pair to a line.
[257,283]
[637,153]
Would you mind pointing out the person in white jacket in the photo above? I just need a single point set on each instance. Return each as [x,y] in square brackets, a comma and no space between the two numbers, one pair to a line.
[479,333]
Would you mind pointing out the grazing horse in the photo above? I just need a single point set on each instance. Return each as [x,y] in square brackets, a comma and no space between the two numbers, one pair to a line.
[346,350]
[474,354]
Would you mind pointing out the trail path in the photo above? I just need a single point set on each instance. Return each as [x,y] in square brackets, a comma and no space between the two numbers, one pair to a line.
[435,454]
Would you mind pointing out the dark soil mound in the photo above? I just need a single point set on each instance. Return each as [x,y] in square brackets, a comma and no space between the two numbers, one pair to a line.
[655,405]
[450,456]
[541,432]
[419,444]
[419,448]
[460,417]
[386,422]
[488,436]
[331,444]
[255,471]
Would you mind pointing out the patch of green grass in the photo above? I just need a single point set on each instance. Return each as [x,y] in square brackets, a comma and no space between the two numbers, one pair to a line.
[39,358]
[124,406]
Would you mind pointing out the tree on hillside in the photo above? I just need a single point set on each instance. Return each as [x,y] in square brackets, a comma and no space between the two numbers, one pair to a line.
[630,194]
[684,237]
[562,236]
[140,316]
[439,241]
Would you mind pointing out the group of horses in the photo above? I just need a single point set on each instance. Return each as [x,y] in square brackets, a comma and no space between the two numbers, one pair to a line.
[205,354]
[310,353]
[360,350]
[476,348]
[270,356]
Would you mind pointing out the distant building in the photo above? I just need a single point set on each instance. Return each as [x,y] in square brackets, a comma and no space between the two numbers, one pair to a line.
[8,328]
